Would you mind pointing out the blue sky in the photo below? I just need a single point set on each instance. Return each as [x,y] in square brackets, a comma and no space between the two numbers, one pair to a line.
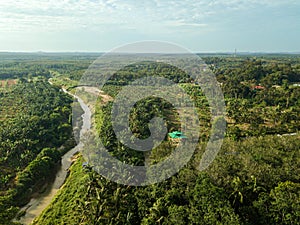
[198,25]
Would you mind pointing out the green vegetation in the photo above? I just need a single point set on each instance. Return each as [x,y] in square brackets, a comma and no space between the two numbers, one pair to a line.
[65,206]
[35,122]
[261,98]
[253,180]
[250,182]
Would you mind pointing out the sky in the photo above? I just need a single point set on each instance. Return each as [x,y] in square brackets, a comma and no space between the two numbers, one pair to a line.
[197,25]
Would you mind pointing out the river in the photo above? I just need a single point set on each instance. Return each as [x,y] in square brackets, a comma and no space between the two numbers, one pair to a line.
[37,204]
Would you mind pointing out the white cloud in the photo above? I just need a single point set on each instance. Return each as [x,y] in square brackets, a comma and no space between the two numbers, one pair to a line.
[69,14]
[72,14]
[143,18]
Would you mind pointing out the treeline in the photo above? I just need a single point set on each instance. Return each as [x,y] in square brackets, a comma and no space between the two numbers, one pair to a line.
[240,82]
[35,122]
[145,69]
[15,70]
[31,65]
[30,180]
[39,171]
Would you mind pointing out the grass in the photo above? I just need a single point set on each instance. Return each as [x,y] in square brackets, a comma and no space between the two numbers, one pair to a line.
[62,81]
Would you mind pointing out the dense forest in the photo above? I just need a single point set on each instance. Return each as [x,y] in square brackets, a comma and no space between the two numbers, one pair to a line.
[253,180]
[35,122]
[249,183]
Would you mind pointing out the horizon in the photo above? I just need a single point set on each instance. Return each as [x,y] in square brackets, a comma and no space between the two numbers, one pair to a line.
[103,52]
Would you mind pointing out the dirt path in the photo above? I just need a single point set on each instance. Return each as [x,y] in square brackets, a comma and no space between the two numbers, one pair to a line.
[96,92]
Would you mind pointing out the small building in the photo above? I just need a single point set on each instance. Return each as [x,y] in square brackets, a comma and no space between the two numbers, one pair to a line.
[177,135]
[259,87]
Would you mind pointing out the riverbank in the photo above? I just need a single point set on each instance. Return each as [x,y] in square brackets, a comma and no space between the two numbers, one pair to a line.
[36,205]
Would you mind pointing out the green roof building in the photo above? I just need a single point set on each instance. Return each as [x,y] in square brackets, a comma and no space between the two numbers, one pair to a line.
[177,134]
